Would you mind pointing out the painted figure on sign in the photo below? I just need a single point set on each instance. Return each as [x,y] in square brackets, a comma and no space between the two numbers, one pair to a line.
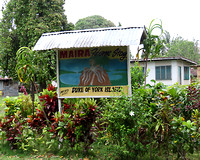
[94,76]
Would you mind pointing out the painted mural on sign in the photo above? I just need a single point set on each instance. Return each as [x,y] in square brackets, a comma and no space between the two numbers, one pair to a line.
[92,67]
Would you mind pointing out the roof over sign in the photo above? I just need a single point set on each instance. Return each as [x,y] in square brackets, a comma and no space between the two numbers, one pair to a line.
[115,36]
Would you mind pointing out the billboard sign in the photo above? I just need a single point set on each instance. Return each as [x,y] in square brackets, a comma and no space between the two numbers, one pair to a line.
[93,72]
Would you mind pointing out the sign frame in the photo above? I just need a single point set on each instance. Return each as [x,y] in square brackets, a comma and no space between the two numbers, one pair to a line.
[129,91]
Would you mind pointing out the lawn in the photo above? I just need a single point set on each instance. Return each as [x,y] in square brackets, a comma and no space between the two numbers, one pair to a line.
[1,99]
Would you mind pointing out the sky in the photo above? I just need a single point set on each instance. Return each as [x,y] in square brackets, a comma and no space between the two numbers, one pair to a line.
[179,17]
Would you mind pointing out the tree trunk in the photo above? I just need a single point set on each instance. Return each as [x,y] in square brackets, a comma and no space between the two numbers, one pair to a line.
[145,73]
[43,85]
[32,95]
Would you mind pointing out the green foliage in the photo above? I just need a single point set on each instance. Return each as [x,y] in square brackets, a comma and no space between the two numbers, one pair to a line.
[35,66]
[181,47]
[31,68]
[8,42]
[76,123]
[137,76]
[26,69]
[70,130]
[125,119]
[184,141]
[154,121]
[16,110]
[22,104]
[152,44]
[23,23]
[49,130]
[95,21]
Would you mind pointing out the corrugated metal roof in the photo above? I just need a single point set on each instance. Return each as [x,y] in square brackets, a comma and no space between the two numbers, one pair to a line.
[115,36]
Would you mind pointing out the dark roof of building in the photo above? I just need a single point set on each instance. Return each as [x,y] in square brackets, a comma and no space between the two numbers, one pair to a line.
[166,59]
[5,78]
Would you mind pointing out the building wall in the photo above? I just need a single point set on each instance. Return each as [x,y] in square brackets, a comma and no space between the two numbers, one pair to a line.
[183,64]
[198,73]
[10,88]
[174,71]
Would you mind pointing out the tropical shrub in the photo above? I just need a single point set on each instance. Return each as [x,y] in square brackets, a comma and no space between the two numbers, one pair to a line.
[126,119]
[192,100]
[183,139]
[154,120]
[16,112]
[137,76]
[22,104]
[44,114]
[12,127]
[47,128]
[76,122]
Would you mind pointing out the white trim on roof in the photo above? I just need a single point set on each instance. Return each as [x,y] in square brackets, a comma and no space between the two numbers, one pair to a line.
[115,36]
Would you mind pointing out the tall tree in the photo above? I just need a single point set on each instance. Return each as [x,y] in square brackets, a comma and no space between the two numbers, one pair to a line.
[181,47]
[166,38]
[23,23]
[94,21]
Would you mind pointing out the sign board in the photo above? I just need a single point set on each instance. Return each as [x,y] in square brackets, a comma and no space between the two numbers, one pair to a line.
[93,72]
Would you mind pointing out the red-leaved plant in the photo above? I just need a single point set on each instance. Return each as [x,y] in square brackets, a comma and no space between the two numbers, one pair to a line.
[76,122]
[12,127]
[49,102]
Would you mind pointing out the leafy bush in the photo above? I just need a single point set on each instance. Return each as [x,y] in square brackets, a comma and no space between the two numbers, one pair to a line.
[126,120]
[22,104]
[12,127]
[49,101]
[152,122]
[149,121]
[183,138]
[16,112]
[76,123]
[48,128]
[137,76]
[44,114]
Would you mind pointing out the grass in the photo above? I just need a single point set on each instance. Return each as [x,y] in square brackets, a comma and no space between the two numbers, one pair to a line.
[1,99]
[99,152]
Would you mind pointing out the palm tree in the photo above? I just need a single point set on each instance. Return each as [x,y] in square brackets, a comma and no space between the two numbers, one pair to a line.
[153,44]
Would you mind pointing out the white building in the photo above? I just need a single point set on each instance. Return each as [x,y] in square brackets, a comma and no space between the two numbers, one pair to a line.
[168,70]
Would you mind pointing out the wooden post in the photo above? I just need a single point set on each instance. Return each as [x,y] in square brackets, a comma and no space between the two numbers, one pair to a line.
[198,72]
[129,71]
[57,73]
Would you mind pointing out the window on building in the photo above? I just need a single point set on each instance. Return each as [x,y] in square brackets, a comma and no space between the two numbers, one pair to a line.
[163,72]
[6,83]
[143,70]
[186,73]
